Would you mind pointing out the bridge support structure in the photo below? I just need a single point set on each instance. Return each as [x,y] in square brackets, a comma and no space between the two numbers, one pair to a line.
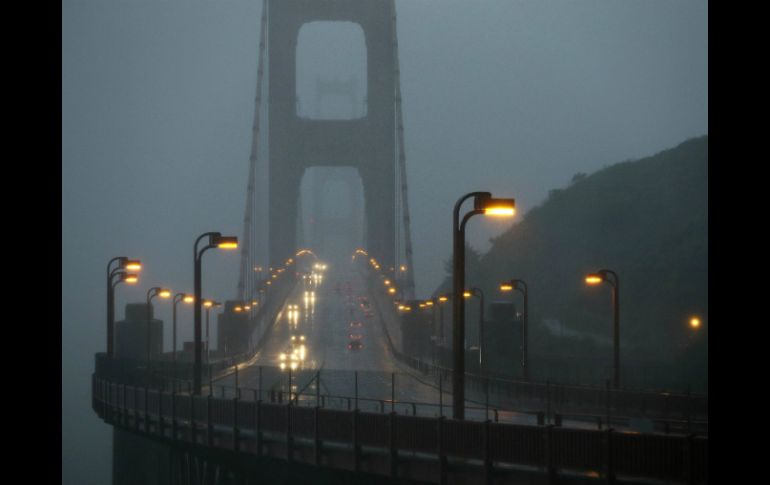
[367,143]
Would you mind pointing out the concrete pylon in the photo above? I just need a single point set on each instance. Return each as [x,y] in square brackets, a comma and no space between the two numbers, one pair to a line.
[136,459]
[367,143]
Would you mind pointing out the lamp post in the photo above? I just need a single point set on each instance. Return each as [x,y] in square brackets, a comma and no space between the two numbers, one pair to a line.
[521,286]
[441,300]
[123,277]
[209,304]
[123,264]
[401,275]
[432,303]
[130,278]
[258,279]
[483,203]
[602,276]
[215,240]
[177,298]
[477,292]
[152,293]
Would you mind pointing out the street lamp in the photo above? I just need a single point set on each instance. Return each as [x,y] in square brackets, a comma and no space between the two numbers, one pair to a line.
[209,304]
[401,273]
[602,276]
[215,240]
[152,293]
[521,286]
[483,203]
[124,264]
[123,277]
[432,303]
[177,298]
[477,292]
[441,300]
[254,308]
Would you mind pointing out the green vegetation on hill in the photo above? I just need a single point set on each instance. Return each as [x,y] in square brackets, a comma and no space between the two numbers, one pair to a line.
[645,219]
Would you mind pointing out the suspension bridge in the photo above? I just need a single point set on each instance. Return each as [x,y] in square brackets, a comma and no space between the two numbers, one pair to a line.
[328,368]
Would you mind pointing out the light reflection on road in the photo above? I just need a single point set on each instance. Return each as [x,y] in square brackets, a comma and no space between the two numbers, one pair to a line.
[324,314]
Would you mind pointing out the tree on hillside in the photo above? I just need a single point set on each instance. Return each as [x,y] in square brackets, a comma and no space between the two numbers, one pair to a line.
[578,177]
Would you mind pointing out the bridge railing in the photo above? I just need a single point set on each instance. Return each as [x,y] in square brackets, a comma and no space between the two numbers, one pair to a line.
[235,424]
[161,374]
[382,391]
[567,398]
[570,398]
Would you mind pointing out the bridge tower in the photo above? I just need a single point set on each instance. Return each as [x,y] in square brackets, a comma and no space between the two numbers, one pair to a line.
[371,143]
[323,224]
[366,143]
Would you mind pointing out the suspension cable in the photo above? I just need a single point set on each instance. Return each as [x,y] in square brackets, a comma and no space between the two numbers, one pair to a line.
[246,279]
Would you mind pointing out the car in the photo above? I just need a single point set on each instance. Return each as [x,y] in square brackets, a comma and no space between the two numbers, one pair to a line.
[292,358]
[355,345]
[356,324]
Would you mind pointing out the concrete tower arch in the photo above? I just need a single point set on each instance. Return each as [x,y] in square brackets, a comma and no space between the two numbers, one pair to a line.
[367,143]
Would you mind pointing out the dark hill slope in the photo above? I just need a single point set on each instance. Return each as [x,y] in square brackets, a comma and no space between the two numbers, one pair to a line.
[645,219]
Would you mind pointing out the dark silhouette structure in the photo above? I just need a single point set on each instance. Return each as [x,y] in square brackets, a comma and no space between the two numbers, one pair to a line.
[233,329]
[131,333]
[416,326]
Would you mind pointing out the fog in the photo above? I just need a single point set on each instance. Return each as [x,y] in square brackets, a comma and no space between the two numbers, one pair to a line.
[513,97]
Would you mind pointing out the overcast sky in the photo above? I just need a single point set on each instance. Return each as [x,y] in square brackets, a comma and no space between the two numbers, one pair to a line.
[508,96]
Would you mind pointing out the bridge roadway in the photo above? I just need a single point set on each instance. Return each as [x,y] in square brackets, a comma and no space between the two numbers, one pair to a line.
[229,433]
[325,312]
[322,312]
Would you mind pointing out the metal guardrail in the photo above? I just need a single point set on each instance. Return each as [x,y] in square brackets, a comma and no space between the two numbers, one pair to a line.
[573,399]
[272,392]
[671,411]
[577,398]
[415,408]
[242,425]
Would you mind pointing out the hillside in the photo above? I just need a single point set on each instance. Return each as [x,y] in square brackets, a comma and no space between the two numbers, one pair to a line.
[645,219]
